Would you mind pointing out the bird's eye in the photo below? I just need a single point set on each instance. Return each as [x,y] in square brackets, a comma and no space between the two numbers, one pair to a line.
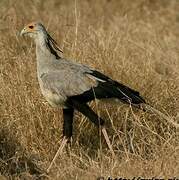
[31,27]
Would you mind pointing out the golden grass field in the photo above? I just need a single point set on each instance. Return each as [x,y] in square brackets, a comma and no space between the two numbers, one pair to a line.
[135,42]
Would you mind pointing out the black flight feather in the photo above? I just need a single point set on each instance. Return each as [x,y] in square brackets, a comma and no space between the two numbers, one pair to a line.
[108,88]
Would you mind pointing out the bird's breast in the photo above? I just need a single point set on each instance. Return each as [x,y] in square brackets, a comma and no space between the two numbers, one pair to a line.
[55,100]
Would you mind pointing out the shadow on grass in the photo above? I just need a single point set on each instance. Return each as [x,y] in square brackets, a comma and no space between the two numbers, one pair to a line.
[15,162]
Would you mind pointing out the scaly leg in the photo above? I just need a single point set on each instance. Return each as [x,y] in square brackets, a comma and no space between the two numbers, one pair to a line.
[105,134]
[88,112]
[59,151]
[67,133]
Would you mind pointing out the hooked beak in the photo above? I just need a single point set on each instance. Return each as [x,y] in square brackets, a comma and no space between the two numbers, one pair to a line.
[23,32]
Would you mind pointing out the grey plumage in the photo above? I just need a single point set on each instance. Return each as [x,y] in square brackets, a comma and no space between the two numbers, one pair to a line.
[70,85]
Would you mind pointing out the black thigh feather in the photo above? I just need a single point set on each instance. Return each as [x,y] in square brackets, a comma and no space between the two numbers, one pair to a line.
[68,122]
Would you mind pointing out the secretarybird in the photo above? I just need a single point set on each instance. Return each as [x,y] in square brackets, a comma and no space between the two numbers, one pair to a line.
[71,85]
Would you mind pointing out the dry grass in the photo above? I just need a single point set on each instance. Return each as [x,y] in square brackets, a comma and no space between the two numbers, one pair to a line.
[134,42]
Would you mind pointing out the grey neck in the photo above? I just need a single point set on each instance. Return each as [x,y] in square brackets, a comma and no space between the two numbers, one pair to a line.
[44,56]
[45,51]
[42,52]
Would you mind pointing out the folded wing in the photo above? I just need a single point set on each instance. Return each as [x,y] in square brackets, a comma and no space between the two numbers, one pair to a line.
[84,85]
[108,88]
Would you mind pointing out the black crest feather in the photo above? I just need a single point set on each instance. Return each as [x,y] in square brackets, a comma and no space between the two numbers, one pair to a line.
[53,47]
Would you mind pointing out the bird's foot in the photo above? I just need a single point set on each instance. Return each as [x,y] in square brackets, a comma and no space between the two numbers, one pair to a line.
[59,151]
[105,134]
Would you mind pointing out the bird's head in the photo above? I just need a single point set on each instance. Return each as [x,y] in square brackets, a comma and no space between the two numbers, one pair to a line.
[38,32]
[33,30]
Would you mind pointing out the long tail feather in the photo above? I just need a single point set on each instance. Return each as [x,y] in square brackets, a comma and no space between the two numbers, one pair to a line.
[167,118]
